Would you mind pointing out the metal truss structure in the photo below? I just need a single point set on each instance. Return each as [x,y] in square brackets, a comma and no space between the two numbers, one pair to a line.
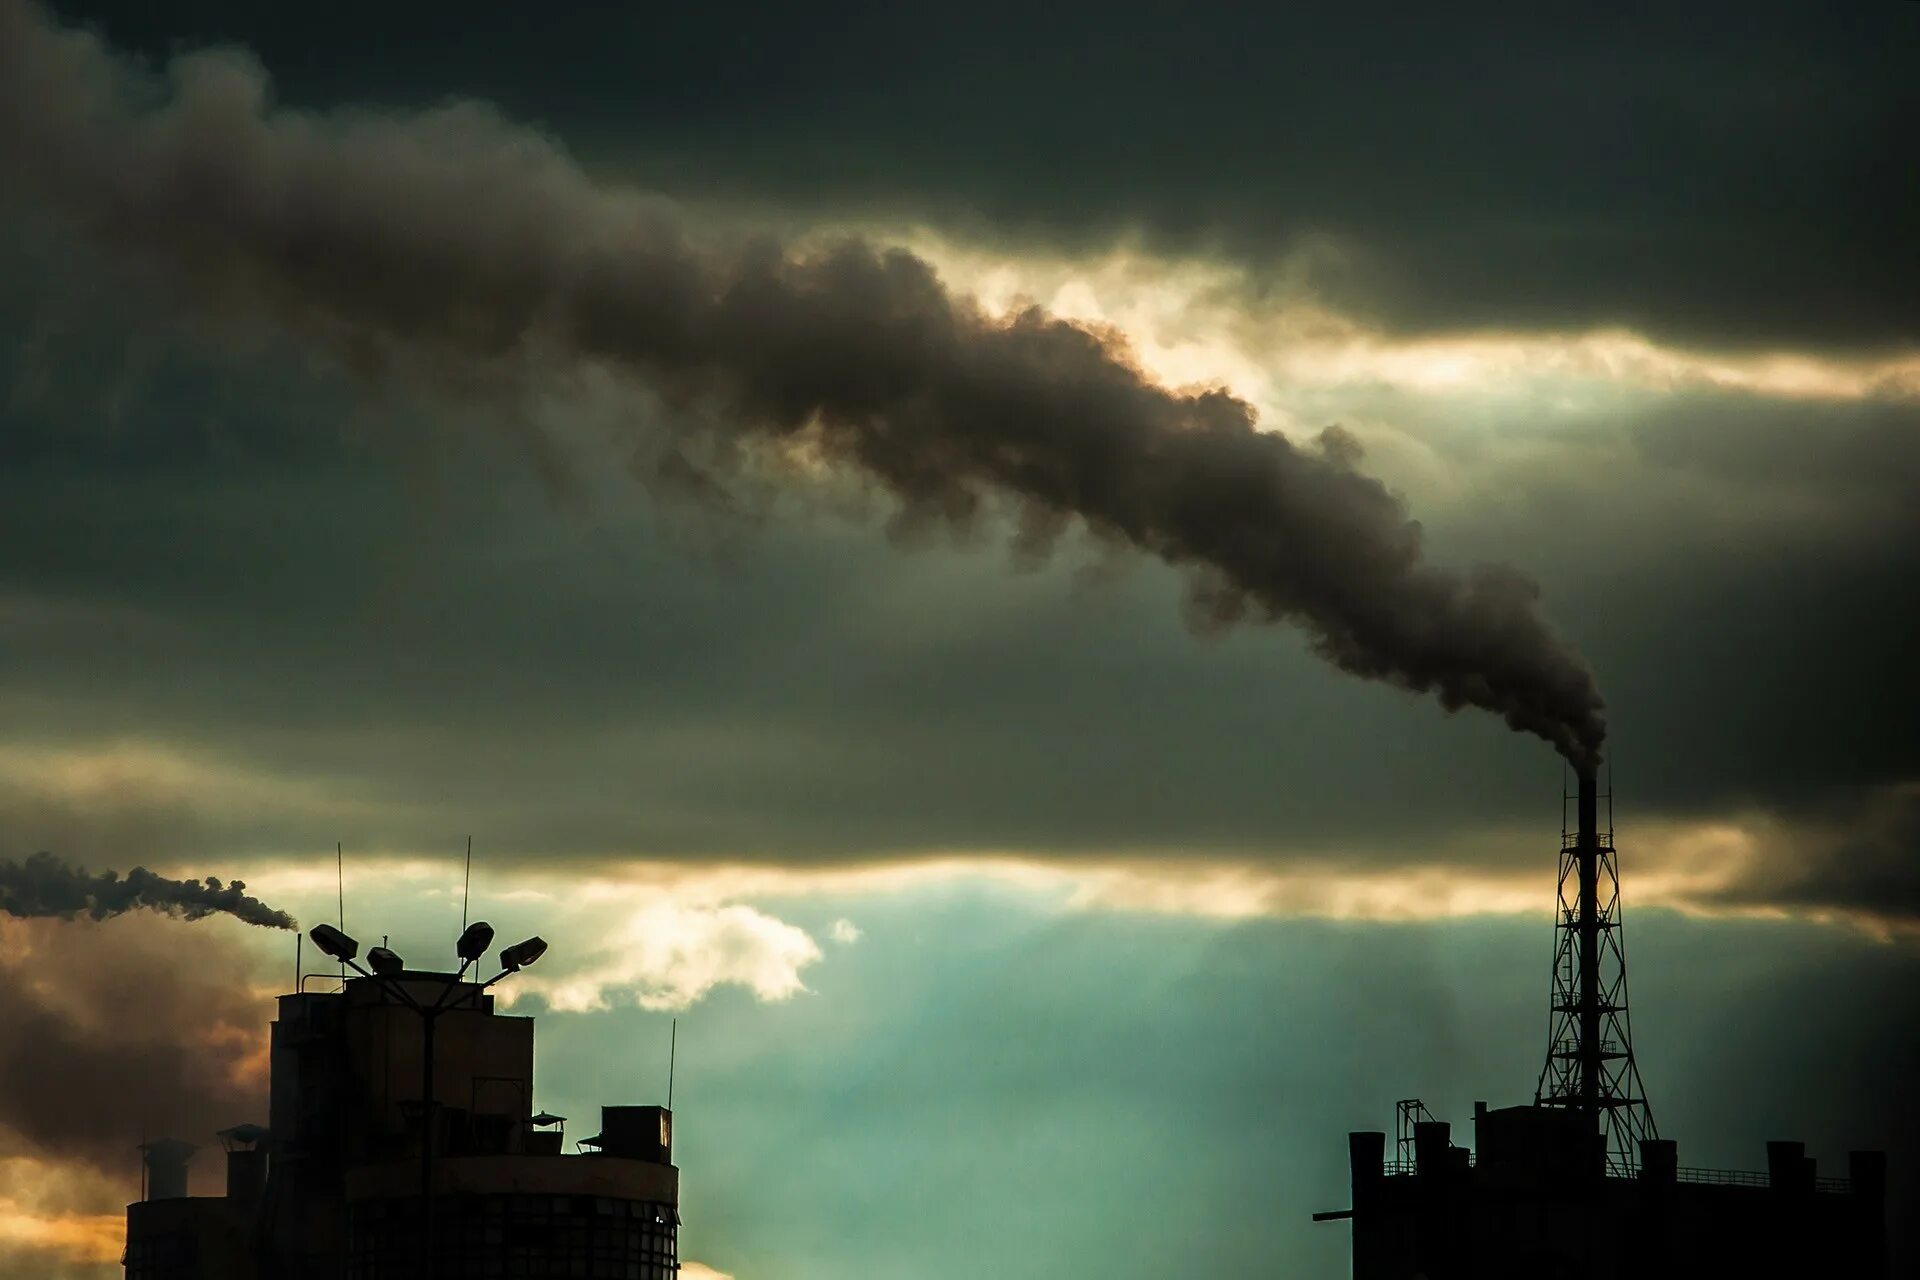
[1590,1065]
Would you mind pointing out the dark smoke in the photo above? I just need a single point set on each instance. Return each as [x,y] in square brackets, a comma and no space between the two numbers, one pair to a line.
[44,886]
[451,249]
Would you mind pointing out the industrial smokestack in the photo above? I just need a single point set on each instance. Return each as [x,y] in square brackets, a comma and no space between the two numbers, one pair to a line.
[454,252]
[44,886]
[1592,1062]
[1588,831]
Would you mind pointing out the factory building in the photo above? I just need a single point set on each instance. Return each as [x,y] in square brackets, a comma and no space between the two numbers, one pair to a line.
[402,1143]
[1579,1184]
[1534,1199]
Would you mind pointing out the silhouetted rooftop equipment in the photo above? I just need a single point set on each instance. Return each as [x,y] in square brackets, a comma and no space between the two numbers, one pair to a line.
[636,1133]
[244,1135]
[166,1164]
[521,954]
[333,942]
[475,940]
[246,1166]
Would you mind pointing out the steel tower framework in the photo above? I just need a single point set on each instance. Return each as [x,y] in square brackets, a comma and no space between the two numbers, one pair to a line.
[1590,1065]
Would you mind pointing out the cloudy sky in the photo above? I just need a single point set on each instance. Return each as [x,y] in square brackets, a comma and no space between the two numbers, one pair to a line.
[862,511]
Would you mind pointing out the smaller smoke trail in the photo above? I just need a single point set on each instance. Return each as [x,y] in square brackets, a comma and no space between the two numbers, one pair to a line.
[45,886]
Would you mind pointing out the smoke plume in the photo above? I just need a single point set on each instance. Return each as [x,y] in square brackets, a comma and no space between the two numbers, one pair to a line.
[452,250]
[44,886]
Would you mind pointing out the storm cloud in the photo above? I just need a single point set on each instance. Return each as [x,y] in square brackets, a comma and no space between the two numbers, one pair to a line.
[1724,173]
[450,248]
[1860,860]
[129,1040]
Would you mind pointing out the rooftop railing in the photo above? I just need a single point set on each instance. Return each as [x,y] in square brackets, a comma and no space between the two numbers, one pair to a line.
[1704,1177]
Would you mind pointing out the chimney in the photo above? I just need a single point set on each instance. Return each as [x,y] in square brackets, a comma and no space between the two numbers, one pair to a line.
[1366,1149]
[1589,811]
[166,1160]
[1788,1168]
[1587,844]
[1431,1138]
[1659,1160]
[246,1166]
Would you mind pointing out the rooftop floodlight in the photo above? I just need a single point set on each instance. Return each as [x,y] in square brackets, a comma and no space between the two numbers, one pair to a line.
[474,942]
[521,954]
[384,962]
[333,942]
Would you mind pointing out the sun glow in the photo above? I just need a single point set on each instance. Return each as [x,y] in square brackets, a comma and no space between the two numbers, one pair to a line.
[1194,321]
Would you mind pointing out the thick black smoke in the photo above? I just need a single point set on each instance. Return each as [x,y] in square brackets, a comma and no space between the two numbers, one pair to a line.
[451,248]
[44,886]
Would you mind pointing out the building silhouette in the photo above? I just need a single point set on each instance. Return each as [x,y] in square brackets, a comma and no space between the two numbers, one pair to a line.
[1578,1184]
[331,1188]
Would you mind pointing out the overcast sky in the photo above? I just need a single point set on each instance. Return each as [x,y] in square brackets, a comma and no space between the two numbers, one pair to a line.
[855,671]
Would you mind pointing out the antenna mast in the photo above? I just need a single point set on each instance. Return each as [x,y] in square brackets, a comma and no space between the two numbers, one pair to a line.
[1590,1066]
[673,1053]
[340,886]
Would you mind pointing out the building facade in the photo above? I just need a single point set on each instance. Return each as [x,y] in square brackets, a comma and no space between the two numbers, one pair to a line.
[365,1172]
[1536,1198]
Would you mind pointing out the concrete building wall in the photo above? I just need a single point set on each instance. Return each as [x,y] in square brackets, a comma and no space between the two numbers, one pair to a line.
[188,1238]
[513,1216]
[1530,1209]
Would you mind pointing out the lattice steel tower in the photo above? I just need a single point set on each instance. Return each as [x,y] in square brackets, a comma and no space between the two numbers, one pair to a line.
[1590,1064]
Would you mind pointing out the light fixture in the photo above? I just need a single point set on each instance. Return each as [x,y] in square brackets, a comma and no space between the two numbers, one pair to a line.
[521,954]
[385,963]
[474,942]
[333,942]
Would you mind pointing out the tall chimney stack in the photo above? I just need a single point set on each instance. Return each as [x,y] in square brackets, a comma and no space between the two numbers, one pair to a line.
[1589,806]
[1587,854]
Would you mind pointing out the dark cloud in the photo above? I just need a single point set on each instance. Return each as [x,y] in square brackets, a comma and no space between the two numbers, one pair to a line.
[449,248]
[1862,860]
[201,561]
[1723,173]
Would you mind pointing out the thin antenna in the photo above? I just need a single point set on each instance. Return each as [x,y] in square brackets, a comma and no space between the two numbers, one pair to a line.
[466,888]
[340,884]
[673,1052]
[299,940]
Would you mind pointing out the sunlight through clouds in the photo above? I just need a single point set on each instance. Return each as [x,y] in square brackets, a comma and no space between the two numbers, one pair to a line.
[668,955]
[1196,321]
[57,1212]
